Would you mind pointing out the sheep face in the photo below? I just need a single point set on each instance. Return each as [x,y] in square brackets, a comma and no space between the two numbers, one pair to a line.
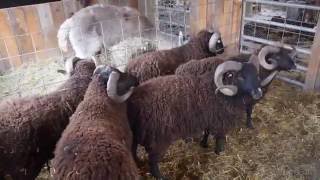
[213,41]
[248,82]
[276,58]
[244,81]
[125,81]
[283,59]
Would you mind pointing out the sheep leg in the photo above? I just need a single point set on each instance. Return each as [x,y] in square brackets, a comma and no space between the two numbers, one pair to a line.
[249,117]
[220,141]
[155,155]
[204,141]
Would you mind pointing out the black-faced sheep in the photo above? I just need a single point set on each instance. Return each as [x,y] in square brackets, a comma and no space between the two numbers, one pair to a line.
[269,61]
[31,126]
[96,27]
[96,145]
[168,108]
[165,62]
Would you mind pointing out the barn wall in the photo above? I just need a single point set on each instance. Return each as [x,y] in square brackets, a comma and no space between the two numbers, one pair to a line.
[222,15]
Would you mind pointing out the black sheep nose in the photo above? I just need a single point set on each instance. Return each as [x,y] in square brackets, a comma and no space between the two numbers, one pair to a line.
[257,93]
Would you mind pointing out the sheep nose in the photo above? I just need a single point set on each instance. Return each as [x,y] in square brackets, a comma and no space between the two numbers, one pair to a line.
[257,93]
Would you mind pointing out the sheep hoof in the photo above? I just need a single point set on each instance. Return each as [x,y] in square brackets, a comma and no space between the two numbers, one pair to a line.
[204,144]
[250,125]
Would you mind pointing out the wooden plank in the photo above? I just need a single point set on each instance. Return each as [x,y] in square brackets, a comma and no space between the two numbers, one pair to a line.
[47,26]
[133,4]
[198,16]
[19,27]
[313,74]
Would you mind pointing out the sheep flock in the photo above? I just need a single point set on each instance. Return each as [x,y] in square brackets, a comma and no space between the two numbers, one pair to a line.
[96,125]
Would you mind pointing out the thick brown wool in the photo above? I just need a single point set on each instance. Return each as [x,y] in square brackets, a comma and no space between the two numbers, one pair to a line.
[30,127]
[168,108]
[165,62]
[96,144]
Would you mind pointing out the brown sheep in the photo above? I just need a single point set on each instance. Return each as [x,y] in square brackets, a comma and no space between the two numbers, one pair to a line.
[31,126]
[168,108]
[165,62]
[96,145]
[269,61]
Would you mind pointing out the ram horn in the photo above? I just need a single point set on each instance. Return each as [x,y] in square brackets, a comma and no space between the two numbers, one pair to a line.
[213,42]
[268,79]
[262,57]
[112,88]
[294,52]
[228,90]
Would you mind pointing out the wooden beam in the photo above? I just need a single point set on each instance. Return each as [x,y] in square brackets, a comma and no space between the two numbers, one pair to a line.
[133,4]
[198,17]
[313,74]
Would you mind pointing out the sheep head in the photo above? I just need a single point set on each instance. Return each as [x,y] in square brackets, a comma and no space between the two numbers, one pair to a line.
[119,85]
[76,65]
[232,78]
[215,43]
[276,58]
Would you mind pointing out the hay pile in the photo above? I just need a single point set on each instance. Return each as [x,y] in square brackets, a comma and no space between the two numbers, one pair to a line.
[32,78]
[284,145]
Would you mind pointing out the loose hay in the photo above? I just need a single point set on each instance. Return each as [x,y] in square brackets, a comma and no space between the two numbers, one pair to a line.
[285,144]
[32,78]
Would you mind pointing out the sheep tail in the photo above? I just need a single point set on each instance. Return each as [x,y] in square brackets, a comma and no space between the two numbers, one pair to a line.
[63,35]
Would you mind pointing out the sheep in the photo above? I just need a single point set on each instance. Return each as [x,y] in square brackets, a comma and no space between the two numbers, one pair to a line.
[167,108]
[31,126]
[98,27]
[97,142]
[269,61]
[164,62]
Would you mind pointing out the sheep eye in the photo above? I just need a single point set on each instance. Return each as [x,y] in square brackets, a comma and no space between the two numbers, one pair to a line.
[229,75]
[219,41]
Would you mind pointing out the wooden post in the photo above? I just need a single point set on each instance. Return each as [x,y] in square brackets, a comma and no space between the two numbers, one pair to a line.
[313,75]
[133,3]
[198,16]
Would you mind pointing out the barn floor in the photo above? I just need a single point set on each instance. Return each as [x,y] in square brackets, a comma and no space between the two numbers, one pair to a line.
[285,144]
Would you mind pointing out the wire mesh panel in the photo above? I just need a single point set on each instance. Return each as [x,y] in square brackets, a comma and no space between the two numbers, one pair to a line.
[292,23]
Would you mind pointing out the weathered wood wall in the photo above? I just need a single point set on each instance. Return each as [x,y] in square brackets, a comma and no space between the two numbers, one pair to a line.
[223,15]
[28,33]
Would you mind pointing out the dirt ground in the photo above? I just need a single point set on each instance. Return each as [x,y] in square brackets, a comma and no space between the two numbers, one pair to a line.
[285,144]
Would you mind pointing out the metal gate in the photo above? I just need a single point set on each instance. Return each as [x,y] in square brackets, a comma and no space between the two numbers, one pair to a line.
[292,23]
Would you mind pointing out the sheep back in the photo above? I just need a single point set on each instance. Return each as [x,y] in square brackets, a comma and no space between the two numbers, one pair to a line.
[31,126]
[97,142]
[165,62]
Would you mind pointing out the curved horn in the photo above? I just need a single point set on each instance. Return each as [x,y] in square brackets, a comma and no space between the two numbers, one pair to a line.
[70,64]
[213,41]
[268,79]
[262,57]
[112,88]
[228,90]
[294,52]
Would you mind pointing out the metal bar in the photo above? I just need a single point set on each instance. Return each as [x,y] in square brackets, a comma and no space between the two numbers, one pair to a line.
[274,3]
[291,81]
[272,43]
[300,28]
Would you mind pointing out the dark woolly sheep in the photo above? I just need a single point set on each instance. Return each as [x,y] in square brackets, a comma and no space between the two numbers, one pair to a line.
[165,62]
[31,126]
[168,108]
[96,145]
[269,61]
